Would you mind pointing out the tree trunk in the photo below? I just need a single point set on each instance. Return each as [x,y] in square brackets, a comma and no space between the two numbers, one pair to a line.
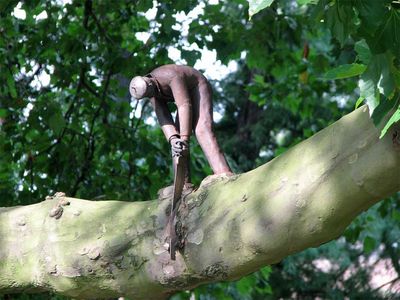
[229,228]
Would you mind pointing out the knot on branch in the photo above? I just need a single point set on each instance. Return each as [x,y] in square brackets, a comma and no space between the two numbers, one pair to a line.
[57,211]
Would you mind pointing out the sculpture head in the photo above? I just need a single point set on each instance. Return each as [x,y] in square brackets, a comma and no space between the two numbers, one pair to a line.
[141,87]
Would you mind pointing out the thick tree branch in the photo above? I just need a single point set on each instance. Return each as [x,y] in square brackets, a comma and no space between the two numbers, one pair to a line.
[229,228]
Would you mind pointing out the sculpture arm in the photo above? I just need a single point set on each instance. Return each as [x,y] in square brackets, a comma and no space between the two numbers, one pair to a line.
[164,118]
[184,106]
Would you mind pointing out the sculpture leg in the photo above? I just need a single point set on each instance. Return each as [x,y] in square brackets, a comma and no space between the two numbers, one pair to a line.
[203,128]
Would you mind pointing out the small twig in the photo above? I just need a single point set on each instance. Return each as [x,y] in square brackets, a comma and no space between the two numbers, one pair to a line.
[387,283]
[101,29]
[146,102]
[30,162]
[134,112]
[31,78]
[90,89]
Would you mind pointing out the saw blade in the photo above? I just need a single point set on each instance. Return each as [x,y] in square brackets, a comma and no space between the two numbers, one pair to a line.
[179,181]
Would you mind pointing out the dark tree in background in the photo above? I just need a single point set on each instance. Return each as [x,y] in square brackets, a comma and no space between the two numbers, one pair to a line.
[301,65]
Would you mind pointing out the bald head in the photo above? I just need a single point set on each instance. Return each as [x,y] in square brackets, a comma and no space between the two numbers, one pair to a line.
[141,87]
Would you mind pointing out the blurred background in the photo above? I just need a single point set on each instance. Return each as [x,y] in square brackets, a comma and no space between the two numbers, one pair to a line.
[67,122]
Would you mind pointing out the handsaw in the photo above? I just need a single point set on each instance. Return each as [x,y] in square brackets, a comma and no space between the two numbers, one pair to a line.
[179,180]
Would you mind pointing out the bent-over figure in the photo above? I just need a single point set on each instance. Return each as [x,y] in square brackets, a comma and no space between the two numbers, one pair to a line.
[193,97]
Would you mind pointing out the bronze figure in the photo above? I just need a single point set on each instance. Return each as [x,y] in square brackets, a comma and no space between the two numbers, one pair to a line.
[193,97]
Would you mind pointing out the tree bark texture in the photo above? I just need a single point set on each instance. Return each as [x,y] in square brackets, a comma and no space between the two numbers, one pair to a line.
[229,228]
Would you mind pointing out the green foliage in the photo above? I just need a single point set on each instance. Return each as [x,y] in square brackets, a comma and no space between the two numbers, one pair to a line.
[305,2]
[363,52]
[393,119]
[377,80]
[76,132]
[372,28]
[345,71]
[254,286]
[256,5]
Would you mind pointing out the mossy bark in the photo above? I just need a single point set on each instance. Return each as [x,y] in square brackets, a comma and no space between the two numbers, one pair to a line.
[229,228]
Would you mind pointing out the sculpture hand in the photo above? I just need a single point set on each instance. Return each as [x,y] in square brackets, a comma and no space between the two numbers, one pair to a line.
[178,146]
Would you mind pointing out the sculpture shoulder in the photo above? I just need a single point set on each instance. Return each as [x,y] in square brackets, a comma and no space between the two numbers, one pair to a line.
[167,73]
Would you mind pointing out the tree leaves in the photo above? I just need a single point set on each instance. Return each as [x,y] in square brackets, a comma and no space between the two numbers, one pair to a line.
[388,34]
[305,2]
[345,71]
[372,14]
[358,102]
[369,244]
[393,119]
[3,113]
[340,18]
[57,123]
[256,5]
[377,79]
[363,52]
[377,43]
[379,25]
[11,86]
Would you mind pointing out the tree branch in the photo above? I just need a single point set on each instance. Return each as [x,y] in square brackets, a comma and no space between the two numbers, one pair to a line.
[228,228]
[390,282]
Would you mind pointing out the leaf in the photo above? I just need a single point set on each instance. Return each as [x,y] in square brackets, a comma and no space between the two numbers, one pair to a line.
[372,14]
[388,34]
[31,135]
[359,101]
[305,2]
[382,110]
[369,92]
[377,79]
[256,5]
[396,75]
[190,56]
[260,80]
[339,18]
[345,71]
[246,284]
[396,215]
[363,51]
[3,113]
[394,118]
[11,86]
[266,271]
[7,6]
[57,123]
[369,244]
